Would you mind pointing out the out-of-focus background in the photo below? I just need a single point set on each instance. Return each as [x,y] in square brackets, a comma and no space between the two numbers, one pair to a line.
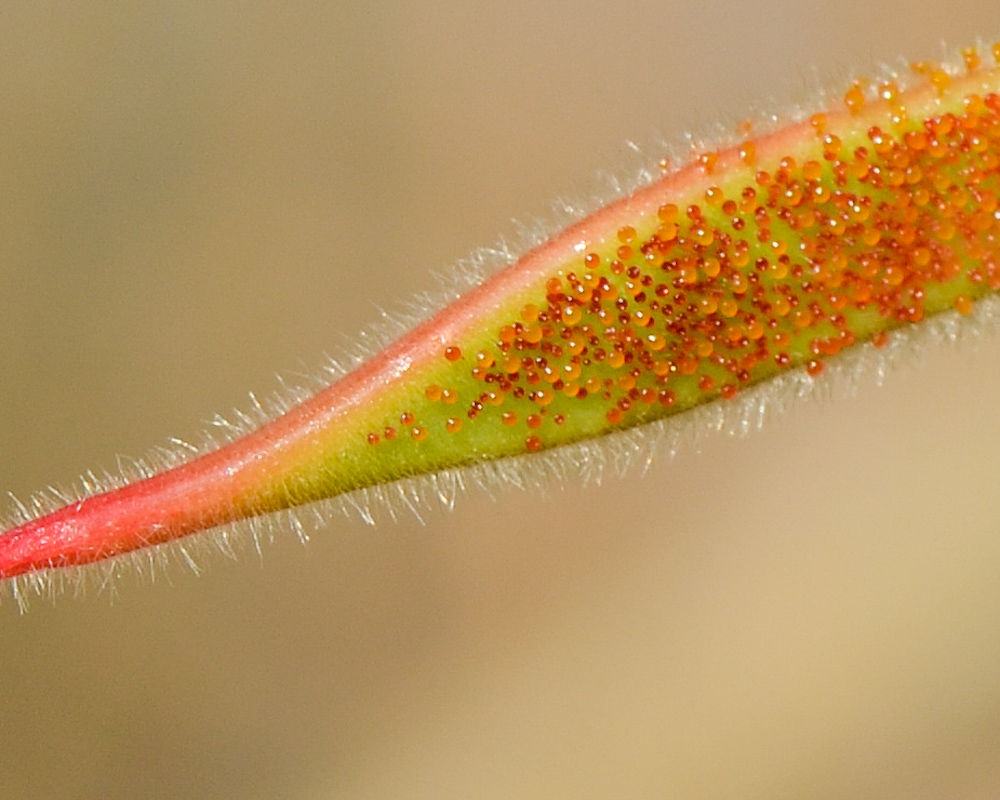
[197,195]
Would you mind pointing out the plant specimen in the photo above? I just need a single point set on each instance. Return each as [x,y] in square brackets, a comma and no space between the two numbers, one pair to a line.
[729,279]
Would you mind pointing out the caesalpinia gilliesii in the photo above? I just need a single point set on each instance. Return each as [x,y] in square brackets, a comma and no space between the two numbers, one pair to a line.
[774,256]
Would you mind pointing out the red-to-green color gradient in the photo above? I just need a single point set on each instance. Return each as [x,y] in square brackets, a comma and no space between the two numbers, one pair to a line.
[772,255]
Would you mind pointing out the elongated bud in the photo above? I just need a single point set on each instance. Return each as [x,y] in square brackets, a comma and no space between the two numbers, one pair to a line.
[773,255]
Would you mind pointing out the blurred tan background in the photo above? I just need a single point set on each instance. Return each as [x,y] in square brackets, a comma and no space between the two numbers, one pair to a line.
[195,196]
